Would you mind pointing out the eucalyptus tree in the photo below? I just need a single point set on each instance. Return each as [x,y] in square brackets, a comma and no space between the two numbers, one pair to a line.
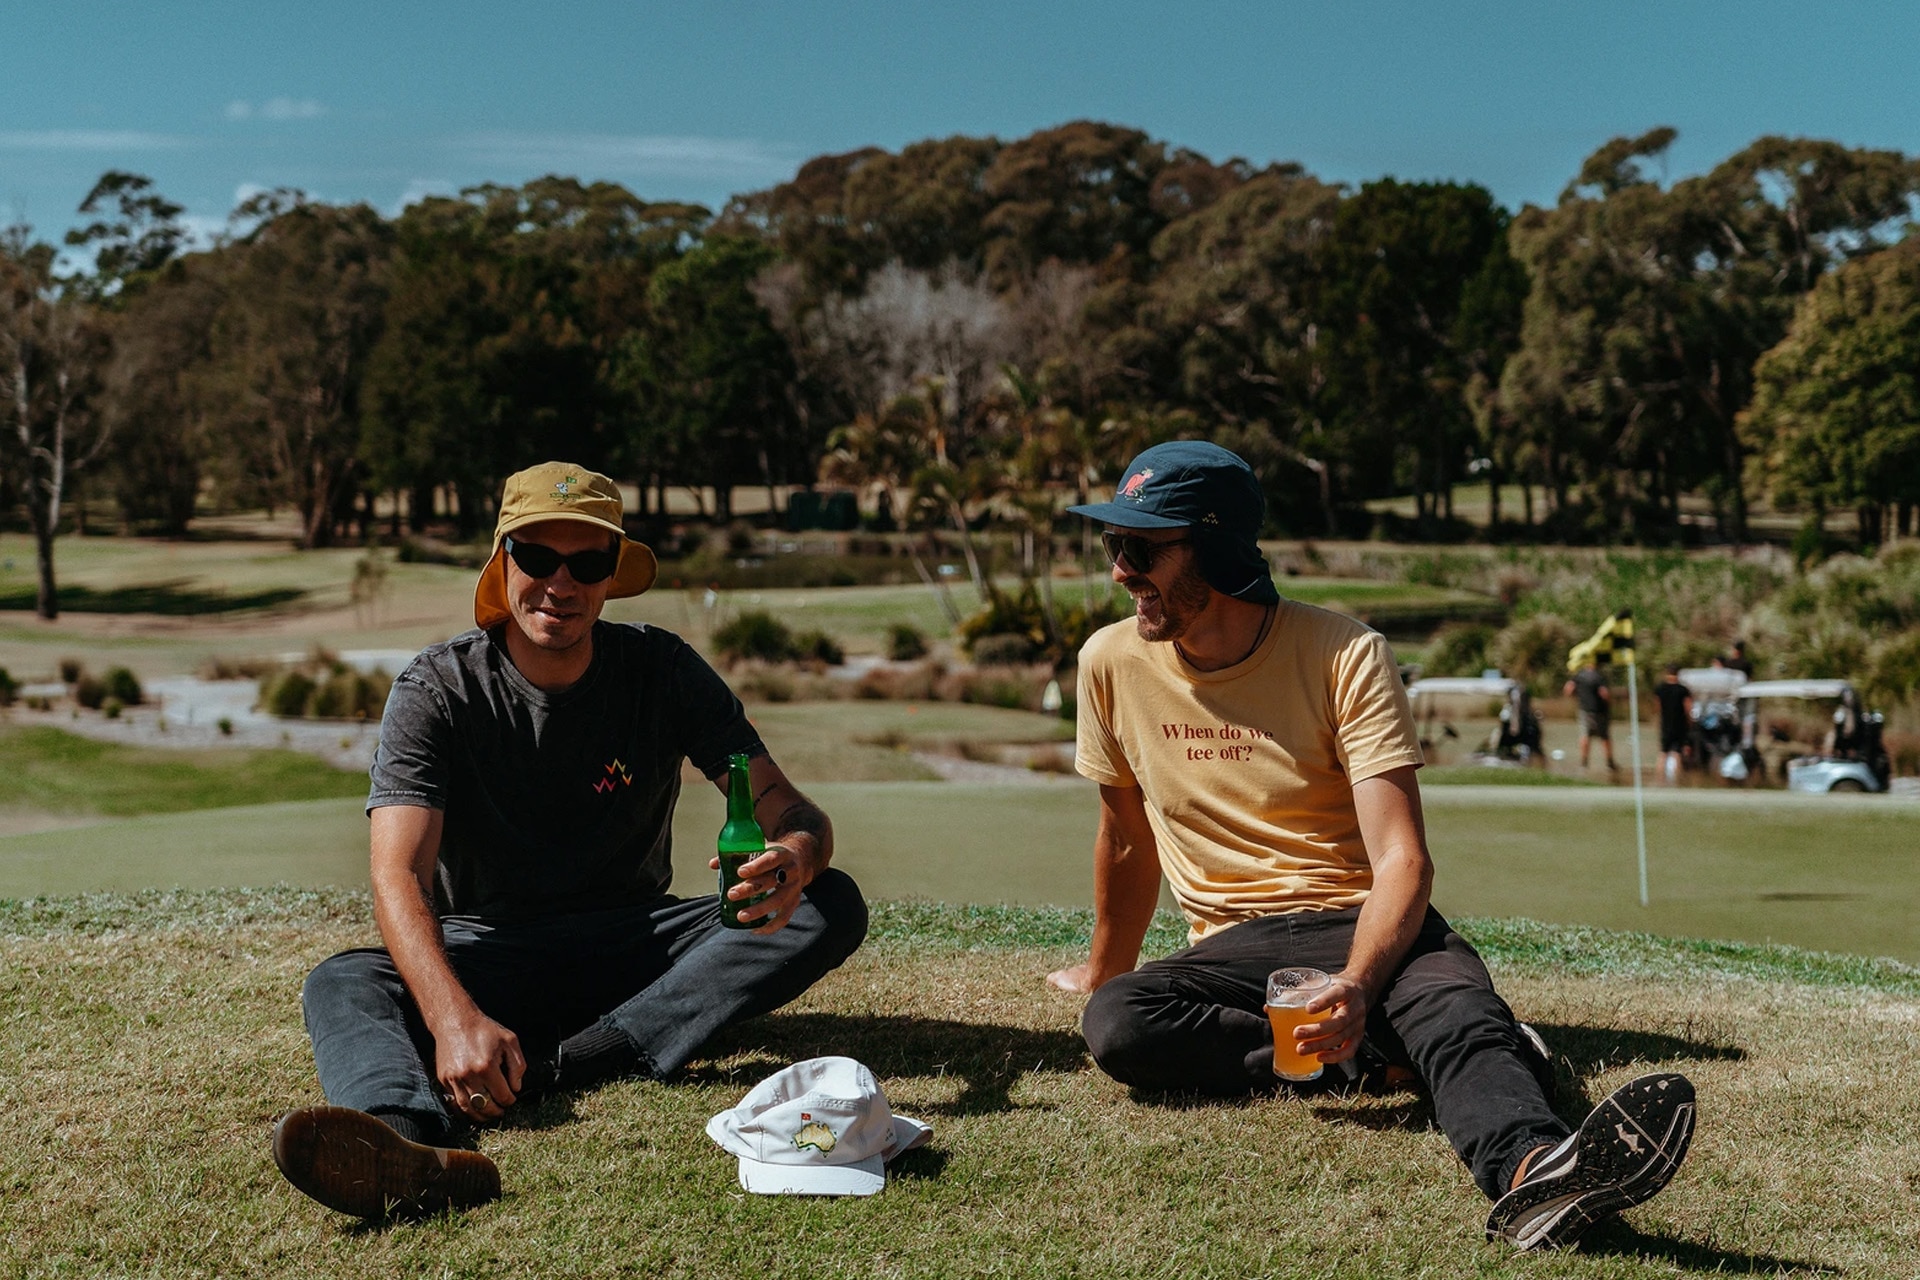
[1835,420]
[51,349]
[1649,306]
[288,355]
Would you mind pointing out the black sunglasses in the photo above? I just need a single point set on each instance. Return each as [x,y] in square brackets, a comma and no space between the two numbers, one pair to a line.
[587,567]
[1140,552]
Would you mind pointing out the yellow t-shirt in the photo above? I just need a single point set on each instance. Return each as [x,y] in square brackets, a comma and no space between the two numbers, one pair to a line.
[1248,772]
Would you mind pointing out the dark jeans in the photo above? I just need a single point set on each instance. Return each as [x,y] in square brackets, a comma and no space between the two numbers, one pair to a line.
[1188,1023]
[665,972]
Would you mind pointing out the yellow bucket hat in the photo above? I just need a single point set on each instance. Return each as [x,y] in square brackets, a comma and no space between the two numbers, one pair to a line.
[559,491]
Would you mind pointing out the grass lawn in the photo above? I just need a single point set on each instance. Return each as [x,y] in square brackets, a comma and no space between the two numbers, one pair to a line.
[152,1040]
[47,769]
[1814,871]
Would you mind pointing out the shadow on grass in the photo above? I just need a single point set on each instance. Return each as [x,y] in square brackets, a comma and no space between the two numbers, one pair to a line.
[170,598]
[1615,1238]
[1580,1053]
[988,1060]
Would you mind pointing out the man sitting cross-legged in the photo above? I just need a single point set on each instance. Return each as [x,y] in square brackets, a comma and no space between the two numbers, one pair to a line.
[1261,754]
[522,807]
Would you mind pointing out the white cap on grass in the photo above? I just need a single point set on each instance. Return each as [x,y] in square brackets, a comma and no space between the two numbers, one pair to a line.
[817,1128]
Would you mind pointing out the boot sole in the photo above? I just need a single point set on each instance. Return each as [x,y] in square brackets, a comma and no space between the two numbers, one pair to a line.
[350,1161]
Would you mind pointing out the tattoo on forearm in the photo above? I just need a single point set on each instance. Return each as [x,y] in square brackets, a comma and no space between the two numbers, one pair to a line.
[800,817]
[764,793]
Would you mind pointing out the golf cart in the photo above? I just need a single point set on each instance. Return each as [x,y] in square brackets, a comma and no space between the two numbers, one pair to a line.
[1852,756]
[1716,712]
[1514,741]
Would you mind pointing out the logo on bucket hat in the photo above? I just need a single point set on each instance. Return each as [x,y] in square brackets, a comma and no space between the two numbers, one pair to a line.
[559,491]
[821,1127]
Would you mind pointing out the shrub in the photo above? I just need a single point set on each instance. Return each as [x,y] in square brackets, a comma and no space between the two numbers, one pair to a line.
[1534,652]
[219,668]
[818,646]
[9,687]
[90,692]
[909,684]
[767,684]
[1459,649]
[1008,649]
[905,643]
[286,693]
[347,695]
[1023,614]
[756,634]
[71,669]
[225,725]
[123,685]
[1051,760]
[111,708]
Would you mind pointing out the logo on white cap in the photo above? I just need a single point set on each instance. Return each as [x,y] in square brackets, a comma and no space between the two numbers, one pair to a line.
[817,1128]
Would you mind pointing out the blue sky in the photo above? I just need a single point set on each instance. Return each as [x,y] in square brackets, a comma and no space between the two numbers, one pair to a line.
[383,102]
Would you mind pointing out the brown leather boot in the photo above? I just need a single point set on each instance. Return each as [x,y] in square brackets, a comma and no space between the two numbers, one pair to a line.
[350,1161]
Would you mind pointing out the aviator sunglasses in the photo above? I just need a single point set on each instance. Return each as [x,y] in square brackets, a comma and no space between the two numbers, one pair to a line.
[1140,552]
[587,567]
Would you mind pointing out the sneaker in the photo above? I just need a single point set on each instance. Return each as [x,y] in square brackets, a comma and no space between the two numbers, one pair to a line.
[351,1161]
[1624,1151]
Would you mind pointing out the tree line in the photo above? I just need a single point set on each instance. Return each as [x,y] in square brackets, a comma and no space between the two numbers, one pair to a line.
[970,328]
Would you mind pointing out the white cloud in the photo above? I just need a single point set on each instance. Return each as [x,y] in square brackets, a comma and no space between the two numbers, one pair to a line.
[291,109]
[591,155]
[275,109]
[86,140]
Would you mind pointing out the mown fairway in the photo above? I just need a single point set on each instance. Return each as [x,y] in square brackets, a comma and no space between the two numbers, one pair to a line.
[1820,872]
[151,1042]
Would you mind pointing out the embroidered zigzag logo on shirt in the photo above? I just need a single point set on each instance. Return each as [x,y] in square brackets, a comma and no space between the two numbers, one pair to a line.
[616,770]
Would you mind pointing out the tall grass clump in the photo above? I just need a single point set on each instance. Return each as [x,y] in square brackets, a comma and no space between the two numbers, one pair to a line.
[1459,649]
[324,688]
[758,636]
[1854,618]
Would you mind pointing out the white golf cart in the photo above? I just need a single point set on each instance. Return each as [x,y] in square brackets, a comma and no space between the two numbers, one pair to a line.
[1852,756]
[1514,742]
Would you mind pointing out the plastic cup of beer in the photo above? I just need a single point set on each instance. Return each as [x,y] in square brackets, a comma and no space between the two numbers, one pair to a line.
[1288,991]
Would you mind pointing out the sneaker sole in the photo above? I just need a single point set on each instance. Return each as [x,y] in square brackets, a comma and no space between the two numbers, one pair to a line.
[1624,1153]
[350,1161]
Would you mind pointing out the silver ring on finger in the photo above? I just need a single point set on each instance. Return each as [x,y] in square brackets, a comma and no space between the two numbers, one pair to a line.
[479,1100]
[780,876]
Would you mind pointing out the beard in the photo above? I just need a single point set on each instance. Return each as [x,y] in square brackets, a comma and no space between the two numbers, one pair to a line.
[1167,615]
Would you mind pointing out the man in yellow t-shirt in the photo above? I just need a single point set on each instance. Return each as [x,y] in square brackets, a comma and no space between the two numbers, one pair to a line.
[1261,755]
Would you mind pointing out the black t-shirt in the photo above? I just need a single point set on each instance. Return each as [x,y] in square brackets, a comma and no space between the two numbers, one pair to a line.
[554,802]
[1673,708]
[1587,684]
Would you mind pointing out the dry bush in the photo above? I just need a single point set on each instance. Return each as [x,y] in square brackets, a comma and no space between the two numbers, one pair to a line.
[901,684]
[1015,688]
[219,667]
[1051,760]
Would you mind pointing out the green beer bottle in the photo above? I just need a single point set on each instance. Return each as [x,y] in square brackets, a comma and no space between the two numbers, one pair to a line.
[741,840]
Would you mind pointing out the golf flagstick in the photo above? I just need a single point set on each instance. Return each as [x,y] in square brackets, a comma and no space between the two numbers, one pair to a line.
[1623,638]
[1616,633]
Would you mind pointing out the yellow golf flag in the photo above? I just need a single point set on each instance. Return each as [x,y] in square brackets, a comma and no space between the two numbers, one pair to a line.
[1615,633]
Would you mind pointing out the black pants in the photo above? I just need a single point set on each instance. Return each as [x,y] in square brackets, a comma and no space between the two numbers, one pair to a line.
[1189,1022]
[665,972]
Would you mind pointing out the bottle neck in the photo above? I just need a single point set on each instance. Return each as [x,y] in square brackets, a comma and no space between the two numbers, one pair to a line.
[739,791]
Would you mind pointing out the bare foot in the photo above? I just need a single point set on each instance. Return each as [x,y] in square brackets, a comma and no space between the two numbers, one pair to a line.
[1078,979]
